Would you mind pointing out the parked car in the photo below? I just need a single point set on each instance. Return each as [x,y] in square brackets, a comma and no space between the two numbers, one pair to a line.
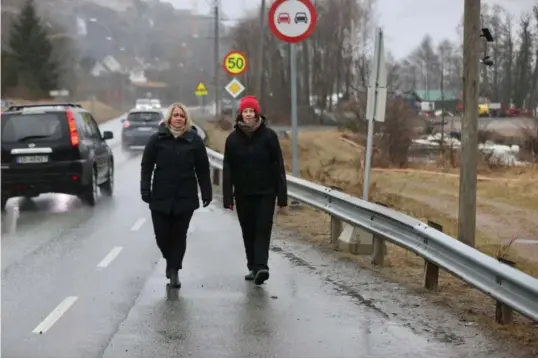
[139,126]
[55,148]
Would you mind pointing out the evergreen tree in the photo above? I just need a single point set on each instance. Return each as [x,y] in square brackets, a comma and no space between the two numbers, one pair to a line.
[31,53]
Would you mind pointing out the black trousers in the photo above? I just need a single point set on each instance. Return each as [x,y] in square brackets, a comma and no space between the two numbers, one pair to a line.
[255,215]
[171,235]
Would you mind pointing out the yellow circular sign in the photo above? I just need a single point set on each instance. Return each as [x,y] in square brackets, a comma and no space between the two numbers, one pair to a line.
[235,63]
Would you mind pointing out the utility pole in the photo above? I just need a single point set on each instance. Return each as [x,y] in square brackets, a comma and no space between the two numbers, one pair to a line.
[443,109]
[259,77]
[216,42]
[469,132]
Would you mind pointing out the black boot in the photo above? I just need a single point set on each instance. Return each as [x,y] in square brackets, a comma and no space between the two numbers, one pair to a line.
[174,279]
[261,276]
[250,275]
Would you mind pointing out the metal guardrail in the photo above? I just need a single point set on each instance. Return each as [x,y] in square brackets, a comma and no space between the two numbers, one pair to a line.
[509,286]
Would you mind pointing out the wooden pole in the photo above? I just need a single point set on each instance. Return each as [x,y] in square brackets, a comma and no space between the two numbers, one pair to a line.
[469,132]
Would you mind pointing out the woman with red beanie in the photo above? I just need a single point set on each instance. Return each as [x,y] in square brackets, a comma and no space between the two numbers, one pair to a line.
[255,176]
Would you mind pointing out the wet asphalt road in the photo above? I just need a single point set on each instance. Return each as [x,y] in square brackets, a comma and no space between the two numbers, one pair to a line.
[89,282]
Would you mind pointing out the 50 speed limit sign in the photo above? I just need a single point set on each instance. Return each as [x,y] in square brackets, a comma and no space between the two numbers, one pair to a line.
[235,63]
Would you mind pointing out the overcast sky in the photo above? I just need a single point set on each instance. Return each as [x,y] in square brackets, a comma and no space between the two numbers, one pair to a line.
[405,22]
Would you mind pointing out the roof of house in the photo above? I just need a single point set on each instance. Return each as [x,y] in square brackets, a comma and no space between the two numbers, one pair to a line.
[436,95]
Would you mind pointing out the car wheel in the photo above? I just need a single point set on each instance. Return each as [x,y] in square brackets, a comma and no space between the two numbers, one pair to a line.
[107,188]
[90,193]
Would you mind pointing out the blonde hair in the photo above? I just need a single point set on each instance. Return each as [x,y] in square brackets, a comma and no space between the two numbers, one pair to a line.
[182,107]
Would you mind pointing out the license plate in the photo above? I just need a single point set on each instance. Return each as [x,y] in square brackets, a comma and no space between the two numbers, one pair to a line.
[32,159]
[145,129]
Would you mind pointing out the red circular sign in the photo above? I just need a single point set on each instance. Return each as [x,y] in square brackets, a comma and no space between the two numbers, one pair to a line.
[292,20]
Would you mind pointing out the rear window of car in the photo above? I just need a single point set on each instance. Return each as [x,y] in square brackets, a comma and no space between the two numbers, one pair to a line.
[36,127]
[142,102]
[144,117]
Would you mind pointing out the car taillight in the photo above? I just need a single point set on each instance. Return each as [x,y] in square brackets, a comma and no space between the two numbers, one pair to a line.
[126,124]
[73,132]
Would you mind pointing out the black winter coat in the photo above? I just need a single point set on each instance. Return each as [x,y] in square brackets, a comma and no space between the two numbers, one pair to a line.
[253,166]
[178,166]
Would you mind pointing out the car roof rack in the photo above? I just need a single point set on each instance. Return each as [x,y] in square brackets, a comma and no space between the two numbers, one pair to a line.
[20,107]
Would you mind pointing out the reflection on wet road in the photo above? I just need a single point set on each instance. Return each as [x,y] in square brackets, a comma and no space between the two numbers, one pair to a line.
[89,282]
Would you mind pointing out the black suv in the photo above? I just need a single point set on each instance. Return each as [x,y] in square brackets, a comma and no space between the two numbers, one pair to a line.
[54,148]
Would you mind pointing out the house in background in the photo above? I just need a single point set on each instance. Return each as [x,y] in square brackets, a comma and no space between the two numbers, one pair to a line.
[446,99]
[118,64]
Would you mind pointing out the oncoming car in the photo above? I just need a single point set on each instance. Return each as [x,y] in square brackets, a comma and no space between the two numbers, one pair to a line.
[139,126]
[155,103]
[143,104]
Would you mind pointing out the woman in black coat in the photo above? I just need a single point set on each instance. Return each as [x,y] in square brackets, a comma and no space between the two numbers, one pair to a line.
[177,159]
[254,174]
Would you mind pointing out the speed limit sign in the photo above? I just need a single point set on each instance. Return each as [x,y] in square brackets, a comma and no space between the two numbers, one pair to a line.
[235,63]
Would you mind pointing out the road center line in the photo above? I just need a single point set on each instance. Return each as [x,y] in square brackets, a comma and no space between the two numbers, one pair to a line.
[138,224]
[56,314]
[110,257]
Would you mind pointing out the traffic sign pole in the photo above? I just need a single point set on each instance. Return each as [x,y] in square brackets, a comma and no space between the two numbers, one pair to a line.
[293,21]
[234,109]
[375,106]
[294,120]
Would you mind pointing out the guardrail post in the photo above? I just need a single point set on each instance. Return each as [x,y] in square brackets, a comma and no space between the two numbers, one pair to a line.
[379,247]
[336,224]
[216,176]
[431,270]
[503,313]
[336,229]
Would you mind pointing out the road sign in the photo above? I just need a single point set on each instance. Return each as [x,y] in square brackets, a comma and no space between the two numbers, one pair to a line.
[292,20]
[235,88]
[201,90]
[235,63]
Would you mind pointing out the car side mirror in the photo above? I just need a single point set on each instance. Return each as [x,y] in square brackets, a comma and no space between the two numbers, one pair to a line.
[108,135]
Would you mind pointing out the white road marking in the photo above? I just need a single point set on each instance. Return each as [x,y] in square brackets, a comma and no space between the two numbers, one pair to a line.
[110,257]
[56,314]
[138,224]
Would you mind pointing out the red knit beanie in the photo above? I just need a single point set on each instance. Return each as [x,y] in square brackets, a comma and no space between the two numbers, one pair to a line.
[249,102]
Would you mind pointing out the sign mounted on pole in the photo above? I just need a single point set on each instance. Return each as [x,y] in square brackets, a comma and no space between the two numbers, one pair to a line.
[235,88]
[292,20]
[201,90]
[235,63]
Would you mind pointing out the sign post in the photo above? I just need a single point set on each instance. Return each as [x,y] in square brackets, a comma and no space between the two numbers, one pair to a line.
[234,88]
[293,21]
[201,92]
[376,104]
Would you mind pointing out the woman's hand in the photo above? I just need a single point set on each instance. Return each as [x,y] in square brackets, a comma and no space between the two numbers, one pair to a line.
[146,197]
